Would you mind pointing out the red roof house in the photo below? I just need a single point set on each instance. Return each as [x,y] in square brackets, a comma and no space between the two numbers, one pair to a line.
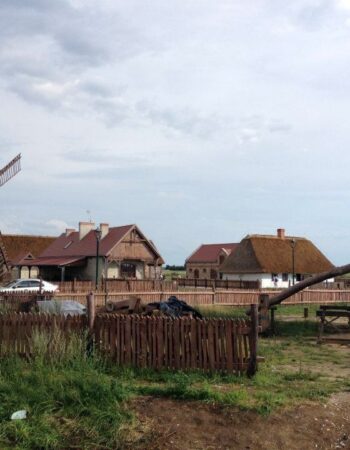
[205,261]
[123,252]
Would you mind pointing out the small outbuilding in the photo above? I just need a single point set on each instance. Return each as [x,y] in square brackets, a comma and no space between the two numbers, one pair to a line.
[205,261]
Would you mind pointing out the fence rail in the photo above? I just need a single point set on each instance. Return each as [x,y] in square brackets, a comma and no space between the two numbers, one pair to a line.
[154,342]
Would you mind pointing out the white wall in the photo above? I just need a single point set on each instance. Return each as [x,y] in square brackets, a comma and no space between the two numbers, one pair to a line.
[264,279]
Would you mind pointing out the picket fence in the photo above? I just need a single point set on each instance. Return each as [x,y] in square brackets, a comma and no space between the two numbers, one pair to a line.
[153,342]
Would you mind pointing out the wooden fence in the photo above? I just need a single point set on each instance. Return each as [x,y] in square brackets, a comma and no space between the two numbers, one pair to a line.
[217,284]
[195,298]
[153,342]
[16,329]
[223,298]
[179,284]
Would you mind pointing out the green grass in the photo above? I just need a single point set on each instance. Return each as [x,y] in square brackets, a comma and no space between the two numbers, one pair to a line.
[170,274]
[71,400]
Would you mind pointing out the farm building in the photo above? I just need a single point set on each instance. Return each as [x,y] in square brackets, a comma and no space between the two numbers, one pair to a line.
[124,252]
[204,262]
[274,261]
[21,249]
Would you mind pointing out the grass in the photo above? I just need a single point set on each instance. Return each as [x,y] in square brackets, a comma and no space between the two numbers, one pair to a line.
[75,401]
[70,399]
[171,274]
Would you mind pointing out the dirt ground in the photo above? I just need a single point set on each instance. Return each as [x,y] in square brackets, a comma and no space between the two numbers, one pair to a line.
[180,425]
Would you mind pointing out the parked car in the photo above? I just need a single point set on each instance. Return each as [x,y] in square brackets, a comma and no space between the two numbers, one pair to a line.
[29,285]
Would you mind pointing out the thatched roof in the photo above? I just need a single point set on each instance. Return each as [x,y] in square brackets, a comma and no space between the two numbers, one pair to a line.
[17,245]
[273,254]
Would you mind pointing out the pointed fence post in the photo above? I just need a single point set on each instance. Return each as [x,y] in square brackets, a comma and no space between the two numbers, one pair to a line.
[90,301]
[91,311]
[254,336]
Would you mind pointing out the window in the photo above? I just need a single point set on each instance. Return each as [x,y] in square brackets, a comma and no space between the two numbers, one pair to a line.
[298,277]
[284,276]
[191,269]
[213,274]
[34,283]
[274,276]
[204,270]
[128,270]
[23,284]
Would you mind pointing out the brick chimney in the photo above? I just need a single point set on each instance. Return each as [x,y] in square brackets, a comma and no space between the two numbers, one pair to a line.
[281,232]
[104,227]
[85,228]
[69,231]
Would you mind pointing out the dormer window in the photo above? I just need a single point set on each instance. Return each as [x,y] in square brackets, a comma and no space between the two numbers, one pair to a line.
[68,244]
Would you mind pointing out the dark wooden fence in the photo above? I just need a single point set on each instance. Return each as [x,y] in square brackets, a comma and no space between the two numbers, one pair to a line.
[16,329]
[153,342]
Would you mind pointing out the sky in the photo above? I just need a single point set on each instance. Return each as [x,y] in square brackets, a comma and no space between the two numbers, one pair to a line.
[201,121]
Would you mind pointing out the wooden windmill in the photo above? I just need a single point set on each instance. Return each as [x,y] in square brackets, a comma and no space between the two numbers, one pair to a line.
[6,173]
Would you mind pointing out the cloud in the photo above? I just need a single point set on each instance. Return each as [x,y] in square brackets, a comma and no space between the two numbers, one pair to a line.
[57,225]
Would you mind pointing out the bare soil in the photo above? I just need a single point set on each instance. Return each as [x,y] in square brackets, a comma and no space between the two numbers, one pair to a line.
[183,425]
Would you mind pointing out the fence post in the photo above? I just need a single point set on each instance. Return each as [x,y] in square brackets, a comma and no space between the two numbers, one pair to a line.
[91,311]
[254,333]
[106,291]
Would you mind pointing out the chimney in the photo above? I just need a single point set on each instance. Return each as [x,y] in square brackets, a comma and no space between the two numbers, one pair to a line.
[84,228]
[281,233]
[69,231]
[104,227]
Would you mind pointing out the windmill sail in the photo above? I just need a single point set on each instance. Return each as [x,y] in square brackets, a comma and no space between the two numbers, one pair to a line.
[10,170]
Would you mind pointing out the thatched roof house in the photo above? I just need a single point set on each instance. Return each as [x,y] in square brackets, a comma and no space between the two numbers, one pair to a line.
[274,259]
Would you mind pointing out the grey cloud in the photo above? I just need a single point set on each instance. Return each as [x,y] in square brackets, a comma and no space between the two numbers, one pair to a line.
[183,120]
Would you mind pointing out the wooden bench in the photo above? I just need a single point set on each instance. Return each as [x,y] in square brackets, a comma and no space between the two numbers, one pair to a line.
[328,316]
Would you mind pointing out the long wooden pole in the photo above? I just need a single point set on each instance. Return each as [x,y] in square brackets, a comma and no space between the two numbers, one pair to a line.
[336,272]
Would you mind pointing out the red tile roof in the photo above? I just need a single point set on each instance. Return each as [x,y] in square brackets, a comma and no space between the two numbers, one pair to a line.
[209,253]
[71,245]
[18,245]
[61,261]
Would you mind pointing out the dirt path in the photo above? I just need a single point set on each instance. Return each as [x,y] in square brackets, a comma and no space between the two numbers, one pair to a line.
[180,425]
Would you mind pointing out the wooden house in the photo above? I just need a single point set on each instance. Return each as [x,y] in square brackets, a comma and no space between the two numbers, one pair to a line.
[123,252]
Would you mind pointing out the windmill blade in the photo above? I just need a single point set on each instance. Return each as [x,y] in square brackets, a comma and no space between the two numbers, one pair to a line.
[10,170]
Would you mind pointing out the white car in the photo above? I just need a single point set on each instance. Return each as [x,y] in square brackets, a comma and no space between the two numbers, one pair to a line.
[29,285]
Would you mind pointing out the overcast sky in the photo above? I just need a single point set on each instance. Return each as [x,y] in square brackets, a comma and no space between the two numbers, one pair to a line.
[199,120]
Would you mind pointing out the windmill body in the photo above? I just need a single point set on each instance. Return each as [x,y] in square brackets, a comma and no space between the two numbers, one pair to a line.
[6,173]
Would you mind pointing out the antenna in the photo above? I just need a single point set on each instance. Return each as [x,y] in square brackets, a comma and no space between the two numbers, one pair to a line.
[88,212]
